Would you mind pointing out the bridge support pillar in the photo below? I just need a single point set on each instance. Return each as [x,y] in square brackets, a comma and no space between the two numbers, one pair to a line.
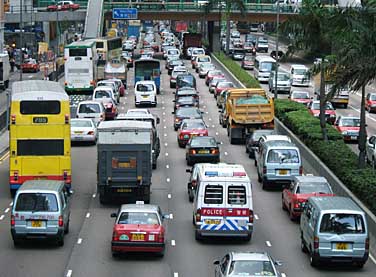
[46,30]
[214,31]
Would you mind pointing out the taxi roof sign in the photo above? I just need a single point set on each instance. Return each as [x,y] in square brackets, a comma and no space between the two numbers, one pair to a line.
[140,202]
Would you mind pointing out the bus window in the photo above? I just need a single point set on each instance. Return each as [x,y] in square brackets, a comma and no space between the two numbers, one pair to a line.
[40,147]
[40,107]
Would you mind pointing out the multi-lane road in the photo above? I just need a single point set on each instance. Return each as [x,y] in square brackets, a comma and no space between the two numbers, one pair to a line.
[87,247]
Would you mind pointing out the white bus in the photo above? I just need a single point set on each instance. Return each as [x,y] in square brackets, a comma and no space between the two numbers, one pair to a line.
[263,66]
[80,66]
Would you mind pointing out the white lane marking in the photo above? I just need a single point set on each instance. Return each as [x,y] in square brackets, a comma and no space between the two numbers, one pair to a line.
[165,144]
[69,273]
[162,102]
[176,274]
[6,210]
[168,180]
[367,115]
[166,154]
[204,107]
[226,153]
[213,126]
[2,217]
[210,119]
[256,217]
[122,107]
[283,274]
[164,120]
[207,112]
[164,127]
[171,216]
[87,215]
[79,241]
[167,166]
[268,243]
[164,113]
[163,108]
[94,195]
[372,258]
[216,133]
[165,135]
[173,243]
[30,76]
[11,204]
[169,196]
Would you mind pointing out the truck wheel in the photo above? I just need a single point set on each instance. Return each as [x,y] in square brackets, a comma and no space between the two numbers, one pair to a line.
[147,199]
[66,230]
[154,166]
[13,192]
[229,132]
[60,241]
[6,84]
[198,237]
[313,260]
[265,184]
[345,106]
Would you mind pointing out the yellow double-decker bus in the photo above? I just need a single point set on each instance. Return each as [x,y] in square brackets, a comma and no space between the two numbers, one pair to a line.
[39,136]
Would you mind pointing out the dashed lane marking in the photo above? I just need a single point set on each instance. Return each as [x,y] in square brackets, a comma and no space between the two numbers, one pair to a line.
[283,274]
[372,258]
[268,243]
[216,133]
[210,119]
[87,215]
[256,217]
[226,153]
[69,273]
[164,113]
[79,241]
[367,115]
[164,127]
[166,144]
[173,243]
[94,195]
[169,196]
[11,204]
[176,274]
[171,216]
[213,126]
[6,210]
[167,166]
[166,154]
[165,135]
[2,217]
[168,180]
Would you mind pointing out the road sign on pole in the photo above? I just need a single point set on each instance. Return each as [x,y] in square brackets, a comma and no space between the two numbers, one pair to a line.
[124,13]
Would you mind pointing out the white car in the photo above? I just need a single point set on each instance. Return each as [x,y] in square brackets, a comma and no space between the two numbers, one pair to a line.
[138,111]
[204,68]
[83,129]
[145,93]
[91,109]
[173,53]
[111,83]
[104,92]
[283,82]
[299,75]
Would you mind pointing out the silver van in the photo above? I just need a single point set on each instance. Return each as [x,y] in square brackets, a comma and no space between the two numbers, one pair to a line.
[278,162]
[40,211]
[334,229]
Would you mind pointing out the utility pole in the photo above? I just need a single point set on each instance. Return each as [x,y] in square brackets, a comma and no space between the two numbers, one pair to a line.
[277,55]
[1,26]
[58,45]
[21,37]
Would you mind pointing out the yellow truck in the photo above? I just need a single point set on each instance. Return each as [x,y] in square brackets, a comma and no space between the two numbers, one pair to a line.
[246,110]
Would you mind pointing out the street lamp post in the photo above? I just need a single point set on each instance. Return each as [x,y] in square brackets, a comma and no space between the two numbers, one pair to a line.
[58,45]
[21,37]
[277,55]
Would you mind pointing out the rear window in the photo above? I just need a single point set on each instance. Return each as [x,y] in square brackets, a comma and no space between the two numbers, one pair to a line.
[342,224]
[89,108]
[33,202]
[145,87]
[283,156]
[40,147]
[78,52]
[213,194]
[236,195]
[40,107]
[138,218]
[102,94]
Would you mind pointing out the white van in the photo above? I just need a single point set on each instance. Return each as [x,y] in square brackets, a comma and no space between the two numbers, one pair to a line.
[223,203]
[263,66]
[104,92]
[4,71]
[145,93]
[299,75]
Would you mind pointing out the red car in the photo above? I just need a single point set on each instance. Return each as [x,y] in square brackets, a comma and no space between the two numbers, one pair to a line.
[349,127]
[190,128]
[213,73]
[371,102]
[301,188]
[221,86]
[248,62]
[110,108]
[300,97]
[138,228]
[63,6]
[30,65]
[330,113]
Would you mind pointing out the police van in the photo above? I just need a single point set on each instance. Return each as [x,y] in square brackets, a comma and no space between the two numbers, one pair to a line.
[223,202]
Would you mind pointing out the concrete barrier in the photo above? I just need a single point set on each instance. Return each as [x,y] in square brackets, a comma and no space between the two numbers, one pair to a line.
[321,169]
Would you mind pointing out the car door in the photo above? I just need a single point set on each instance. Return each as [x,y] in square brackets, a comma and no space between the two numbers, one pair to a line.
[222,269]
[287,195]
[370,149]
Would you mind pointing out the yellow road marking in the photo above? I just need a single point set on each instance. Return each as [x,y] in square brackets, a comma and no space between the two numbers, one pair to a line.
[5,156]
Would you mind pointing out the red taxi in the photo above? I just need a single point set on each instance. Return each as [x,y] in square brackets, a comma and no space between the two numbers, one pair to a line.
[30,65]
[211,74]
[330,113]
[110,108]
[301,188]
[190,128]
[138,228]
[221,86]
[300,97]
[371,102]
[349,127]
[63,6]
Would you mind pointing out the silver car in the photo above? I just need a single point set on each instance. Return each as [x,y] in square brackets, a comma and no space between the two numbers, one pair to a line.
[236,264]
[204,68]
[83,129]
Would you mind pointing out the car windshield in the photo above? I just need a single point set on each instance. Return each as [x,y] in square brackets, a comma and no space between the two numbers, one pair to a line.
[300,95]
[283,156]
[177,72]
[342,224]
[204,59]
[33,202]
[138,218]
[215,72]
[283,77]
[373,97]
[185,99]
[81,123]
[316,106]
[177,62]
[225,85]
[266,66]
[248,58]
[102,93]
[193,125]
[203,142]
[259,133]
[188,112]
[251,268]
[350,122]
[300,71]
[313,187]
[263,40]
[173,52]
[89,108]
[145,87]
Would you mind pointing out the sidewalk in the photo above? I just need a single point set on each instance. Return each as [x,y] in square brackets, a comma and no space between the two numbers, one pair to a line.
[4,142]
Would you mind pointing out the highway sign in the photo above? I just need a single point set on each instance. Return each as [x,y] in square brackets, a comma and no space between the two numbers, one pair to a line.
[124,13]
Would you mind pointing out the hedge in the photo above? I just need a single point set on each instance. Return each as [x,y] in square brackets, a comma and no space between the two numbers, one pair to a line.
[335,153]
[236,69]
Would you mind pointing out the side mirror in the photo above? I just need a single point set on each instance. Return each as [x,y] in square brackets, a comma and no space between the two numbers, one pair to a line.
[188,170]
[278,263]
[173,92]
[158,120]
[172,112]
[173,101]
[216,262]
[289,97]
[114,215]
[166,216]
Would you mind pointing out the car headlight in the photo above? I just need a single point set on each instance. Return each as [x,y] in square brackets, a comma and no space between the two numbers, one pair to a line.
[332,115]
[316,115]
[344,133]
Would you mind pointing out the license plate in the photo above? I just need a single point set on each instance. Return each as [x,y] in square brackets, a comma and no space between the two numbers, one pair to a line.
[125,165]
[203,151]
[124,190]
[342,246]
[78,132]
[186,136]
[138,237]
[283,171]
[36,223]
[145,96]
[354,137]
[40,178]
[212,221]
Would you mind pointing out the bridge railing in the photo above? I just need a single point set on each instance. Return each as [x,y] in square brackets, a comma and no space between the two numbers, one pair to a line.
[45,3]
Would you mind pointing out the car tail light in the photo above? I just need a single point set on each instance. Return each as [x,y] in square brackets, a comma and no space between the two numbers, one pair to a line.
[92,82]
[161,237]
[115,235]
[194,183]
[264,169]
[315,243]
[13,118]
[66,118]
[367,245]
[90,133]
[65,83]
[250,216]
[176,119]
[214,151]
[102,116]
[198,215]
[60,221]
[192,151]
[300,170]
[296,205]
[65,175]
[12,221]
[15,175]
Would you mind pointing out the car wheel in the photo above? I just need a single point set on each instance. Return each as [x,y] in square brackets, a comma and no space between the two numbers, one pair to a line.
[303,247]
[115,254]
[259,177]
[16,242]
[198,237]
[66,230]
[359,264]
[283,205]
[265,184]
[190,196]
[292,217]
[313,260]
[60,241]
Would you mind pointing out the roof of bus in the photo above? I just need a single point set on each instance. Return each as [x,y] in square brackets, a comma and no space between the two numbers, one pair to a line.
[124,124]
[106,38]
[34,89]
[81,44]
[265,58]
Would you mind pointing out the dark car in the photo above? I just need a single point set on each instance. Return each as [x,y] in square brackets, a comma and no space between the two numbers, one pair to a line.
[249,47]
[171,64]
[185,101]
[184,113]
[250,38]
[252,141]
[183,92]
[238,54]
[185,80]
[248,62]
[202,149]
